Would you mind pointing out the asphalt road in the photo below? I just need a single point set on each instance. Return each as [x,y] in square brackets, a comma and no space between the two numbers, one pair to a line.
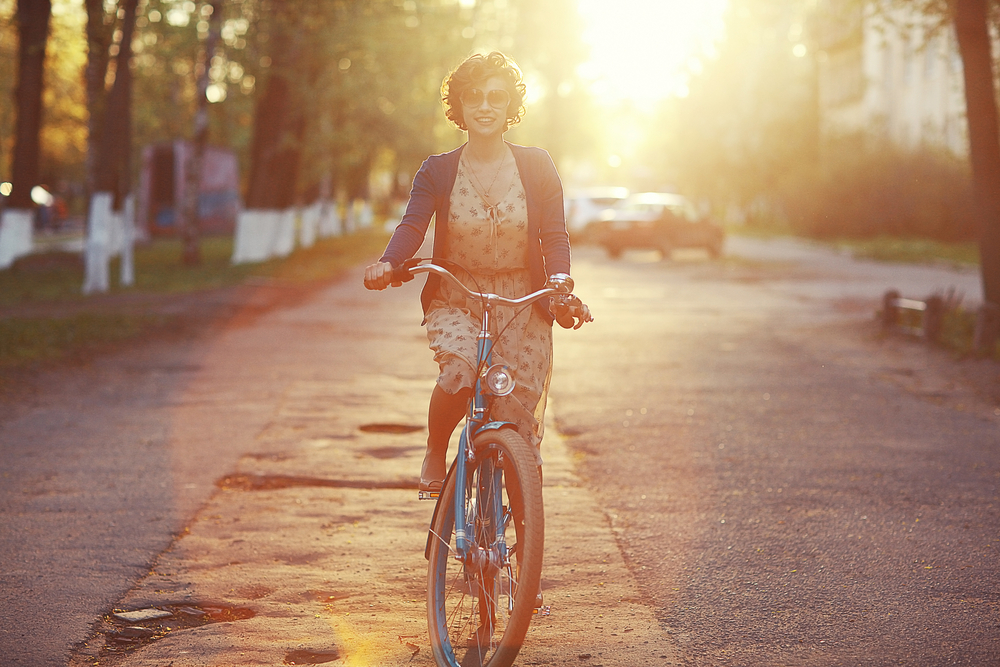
[785,486]
[788,487]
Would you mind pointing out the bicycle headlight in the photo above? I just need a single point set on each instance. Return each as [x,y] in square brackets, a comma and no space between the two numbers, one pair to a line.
[499,380]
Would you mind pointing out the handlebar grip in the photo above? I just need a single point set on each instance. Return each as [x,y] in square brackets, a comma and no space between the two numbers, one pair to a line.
[401,274]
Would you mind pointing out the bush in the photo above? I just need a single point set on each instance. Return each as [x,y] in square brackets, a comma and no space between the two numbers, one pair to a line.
[867,189]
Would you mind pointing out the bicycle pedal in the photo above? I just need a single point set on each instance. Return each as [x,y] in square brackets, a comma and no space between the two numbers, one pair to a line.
[428,495]
[544,610]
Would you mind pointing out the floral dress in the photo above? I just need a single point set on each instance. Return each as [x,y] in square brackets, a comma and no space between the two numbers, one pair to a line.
[491,243]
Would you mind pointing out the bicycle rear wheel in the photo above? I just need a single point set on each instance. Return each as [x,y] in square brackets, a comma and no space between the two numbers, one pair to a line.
[478,611]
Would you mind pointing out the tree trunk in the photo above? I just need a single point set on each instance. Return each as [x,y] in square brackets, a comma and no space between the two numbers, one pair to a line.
[113,168]
[99,36]
[189,222]
[33,31]
[984,135]
[279,128]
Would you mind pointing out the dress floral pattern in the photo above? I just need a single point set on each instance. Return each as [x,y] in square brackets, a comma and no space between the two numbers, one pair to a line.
[491,242]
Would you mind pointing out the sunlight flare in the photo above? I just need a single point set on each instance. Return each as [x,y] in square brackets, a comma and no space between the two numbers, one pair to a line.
[644,50]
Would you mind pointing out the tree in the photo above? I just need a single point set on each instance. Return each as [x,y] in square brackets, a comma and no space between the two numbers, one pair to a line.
[99,37]
[972,21]
[279,121]
[971,27]
[191,253]
[33,31]
[112,170]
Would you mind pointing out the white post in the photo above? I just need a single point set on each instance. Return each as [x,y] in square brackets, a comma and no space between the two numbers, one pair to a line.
[127,275]
[284,242]
[15,235]
[98,238]
[310,225]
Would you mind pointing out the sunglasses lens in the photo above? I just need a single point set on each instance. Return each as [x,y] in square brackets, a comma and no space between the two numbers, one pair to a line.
[498,99]
[472,97]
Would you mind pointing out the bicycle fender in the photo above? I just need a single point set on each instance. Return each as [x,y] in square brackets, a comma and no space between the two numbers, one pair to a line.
[495,426]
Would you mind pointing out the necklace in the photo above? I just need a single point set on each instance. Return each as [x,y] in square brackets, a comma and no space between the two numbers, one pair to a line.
[486,191]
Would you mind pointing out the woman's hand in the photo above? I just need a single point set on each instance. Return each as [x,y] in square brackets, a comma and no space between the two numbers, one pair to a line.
[570,312]
[378,276]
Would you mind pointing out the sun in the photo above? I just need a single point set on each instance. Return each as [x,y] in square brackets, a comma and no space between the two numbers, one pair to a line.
[644,50]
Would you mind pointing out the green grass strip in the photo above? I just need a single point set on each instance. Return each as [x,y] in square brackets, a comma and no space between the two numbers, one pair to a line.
[24,341]
[57,279]
[913,251]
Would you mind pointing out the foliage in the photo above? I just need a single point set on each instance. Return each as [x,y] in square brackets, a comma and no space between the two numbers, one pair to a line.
[366,76]
[958,333]
[64,135]
[864,189]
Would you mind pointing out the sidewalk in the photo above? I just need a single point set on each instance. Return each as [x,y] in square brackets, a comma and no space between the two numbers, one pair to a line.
[311,550]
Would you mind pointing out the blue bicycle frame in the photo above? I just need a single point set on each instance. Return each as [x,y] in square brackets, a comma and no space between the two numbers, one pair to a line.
[474,426]
[479,410]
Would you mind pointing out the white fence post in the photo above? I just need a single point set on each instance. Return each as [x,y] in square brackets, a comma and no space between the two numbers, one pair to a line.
[98,242]
[15,235]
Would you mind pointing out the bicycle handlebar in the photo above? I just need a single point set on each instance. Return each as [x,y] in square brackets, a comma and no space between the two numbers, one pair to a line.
[405,273]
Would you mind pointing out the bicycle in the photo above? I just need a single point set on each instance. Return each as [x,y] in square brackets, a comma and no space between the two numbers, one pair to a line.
[481,587]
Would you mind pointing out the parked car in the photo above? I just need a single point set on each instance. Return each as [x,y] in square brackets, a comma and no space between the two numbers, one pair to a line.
[592,204]
[656,220]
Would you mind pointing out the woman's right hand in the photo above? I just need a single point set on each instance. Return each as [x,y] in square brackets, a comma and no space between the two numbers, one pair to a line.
[378,276]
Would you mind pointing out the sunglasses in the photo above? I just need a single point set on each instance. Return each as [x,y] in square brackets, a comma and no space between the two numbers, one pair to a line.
[473,97]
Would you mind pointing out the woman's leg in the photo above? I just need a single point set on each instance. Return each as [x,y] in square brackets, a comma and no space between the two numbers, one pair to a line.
[443,415]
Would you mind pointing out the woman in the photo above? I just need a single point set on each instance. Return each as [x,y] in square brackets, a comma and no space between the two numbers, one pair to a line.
[499,214]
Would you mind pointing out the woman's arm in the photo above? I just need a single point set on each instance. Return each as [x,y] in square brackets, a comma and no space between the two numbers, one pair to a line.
[552,231]
[410,232]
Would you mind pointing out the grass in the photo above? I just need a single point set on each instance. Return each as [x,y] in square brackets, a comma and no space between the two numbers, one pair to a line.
[24,341]
[881,248]
[58,277]
[958,332]
[52,280]
[913,251]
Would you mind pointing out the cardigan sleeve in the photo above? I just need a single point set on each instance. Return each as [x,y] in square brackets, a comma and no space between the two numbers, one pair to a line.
[410,232]
[552,230]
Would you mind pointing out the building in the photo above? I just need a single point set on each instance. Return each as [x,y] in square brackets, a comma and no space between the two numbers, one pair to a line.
[889,75]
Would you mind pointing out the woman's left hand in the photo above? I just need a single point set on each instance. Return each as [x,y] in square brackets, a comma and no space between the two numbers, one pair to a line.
[570,312]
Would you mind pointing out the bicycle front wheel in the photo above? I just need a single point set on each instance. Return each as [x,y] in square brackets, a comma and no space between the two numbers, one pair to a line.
[479,607]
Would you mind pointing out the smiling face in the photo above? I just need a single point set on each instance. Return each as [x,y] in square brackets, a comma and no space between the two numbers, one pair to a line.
[481,117]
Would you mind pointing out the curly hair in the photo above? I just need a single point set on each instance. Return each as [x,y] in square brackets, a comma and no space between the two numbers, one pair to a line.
[476,69]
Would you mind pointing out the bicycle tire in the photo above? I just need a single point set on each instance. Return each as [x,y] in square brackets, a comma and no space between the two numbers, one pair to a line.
[468,628]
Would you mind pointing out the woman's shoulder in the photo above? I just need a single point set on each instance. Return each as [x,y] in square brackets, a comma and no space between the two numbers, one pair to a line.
[530,151]
[442,159]
[536,158]
[441,166]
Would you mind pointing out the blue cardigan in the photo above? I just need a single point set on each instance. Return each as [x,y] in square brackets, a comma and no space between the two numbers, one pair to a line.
[431,195]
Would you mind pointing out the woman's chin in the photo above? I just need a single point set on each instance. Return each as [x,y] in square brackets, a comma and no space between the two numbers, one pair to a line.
[486,131]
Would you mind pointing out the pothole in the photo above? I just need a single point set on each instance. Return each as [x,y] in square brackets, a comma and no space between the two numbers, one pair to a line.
[392,429]
[272,482]
[306,657]
[384,453]
[125,631]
